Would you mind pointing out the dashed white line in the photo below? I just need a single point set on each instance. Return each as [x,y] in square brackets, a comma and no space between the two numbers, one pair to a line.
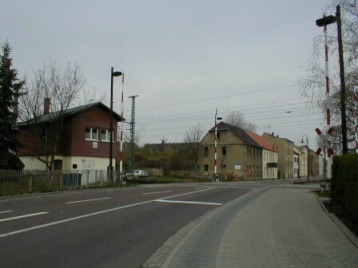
[87,200]
[91,214]
[72,219]
[159,192]
[189,202]
[198,191]
[6,211]
[23,216]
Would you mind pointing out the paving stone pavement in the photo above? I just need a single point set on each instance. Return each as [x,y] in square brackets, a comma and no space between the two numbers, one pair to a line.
[284,226]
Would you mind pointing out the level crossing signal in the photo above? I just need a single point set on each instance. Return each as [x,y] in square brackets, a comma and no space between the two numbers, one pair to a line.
[324,142]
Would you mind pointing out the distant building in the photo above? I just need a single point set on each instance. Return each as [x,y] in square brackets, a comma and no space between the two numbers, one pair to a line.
[239,156]
[269,157]
[296,161]
[285,156]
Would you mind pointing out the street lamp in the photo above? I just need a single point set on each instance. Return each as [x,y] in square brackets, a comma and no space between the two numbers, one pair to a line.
[324,22]
[216,177]
[308,158]
[110,167]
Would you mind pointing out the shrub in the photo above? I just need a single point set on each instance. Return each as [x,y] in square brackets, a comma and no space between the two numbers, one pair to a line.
[344,187]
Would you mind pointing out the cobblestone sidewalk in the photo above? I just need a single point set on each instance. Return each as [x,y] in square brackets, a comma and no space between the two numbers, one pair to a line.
[280,226]
[285,227]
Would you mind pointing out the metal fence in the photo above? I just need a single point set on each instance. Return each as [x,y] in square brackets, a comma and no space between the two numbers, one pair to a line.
[13,182]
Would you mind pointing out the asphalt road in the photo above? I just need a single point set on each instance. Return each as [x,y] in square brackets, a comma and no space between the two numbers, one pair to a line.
[119,227]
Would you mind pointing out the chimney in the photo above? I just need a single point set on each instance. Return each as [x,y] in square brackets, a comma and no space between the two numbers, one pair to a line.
[47,104]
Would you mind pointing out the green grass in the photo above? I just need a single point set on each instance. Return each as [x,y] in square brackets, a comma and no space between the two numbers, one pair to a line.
[319,194]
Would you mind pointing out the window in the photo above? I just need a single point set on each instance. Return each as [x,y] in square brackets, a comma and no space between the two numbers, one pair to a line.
[218,135]
[105,133]
[91,133]
[223,150]
[206,151]
[206,167]
[57,164]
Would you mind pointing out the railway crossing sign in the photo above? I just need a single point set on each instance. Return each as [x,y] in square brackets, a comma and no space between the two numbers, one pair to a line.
[324,142]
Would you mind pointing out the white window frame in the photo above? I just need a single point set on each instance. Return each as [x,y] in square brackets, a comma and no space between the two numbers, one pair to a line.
[107,134]
[91,134]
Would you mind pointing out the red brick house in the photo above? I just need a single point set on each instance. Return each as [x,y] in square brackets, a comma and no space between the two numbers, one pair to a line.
[83,141]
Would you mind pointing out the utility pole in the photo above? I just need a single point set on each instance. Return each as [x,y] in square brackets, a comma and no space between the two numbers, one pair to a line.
[132,163]
[343,84]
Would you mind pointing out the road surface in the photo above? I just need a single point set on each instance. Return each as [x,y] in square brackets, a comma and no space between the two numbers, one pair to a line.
[115,227]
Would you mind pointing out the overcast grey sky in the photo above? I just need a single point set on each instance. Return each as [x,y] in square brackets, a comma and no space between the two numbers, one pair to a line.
[184,58]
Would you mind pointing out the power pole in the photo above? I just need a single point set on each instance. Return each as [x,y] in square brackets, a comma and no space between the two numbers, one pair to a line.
[343,84]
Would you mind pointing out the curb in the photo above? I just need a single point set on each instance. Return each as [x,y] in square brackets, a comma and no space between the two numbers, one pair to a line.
[344,229]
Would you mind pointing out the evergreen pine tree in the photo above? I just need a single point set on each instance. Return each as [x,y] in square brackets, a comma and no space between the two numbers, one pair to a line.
[10,87]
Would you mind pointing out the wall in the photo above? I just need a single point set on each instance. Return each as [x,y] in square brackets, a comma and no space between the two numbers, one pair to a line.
[285,154]
[31,163]
[269,156]
[80,162]
[94,117]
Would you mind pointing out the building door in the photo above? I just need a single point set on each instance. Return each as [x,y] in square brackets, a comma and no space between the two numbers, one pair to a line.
[89,172]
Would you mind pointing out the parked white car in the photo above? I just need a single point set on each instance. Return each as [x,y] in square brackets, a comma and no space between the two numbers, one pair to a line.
[138,173]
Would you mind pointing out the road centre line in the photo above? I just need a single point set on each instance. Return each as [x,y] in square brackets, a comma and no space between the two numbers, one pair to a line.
[189,202]
[157,192]
[93,214]
[87,200]
[24,216]
[6,211]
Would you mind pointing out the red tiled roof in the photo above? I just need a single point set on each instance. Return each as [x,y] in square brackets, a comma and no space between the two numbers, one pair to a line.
[260,140]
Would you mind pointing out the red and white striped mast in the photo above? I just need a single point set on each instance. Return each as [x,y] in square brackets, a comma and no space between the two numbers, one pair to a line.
[215,146]
[216,177]
[121,135]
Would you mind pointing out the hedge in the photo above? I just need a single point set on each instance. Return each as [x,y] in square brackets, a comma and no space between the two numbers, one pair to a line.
[344,188]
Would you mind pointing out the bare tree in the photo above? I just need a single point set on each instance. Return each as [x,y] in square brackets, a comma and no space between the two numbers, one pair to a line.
[238,119]
[313,83]
[194,135]
[60,89]
[192,146]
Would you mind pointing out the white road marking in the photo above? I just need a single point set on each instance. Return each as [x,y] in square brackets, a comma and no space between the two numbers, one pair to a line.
[93,214]
[87,200]
[23,216]
[157,192]
[189,202]
[72,219]
[6,211]
[202,190]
